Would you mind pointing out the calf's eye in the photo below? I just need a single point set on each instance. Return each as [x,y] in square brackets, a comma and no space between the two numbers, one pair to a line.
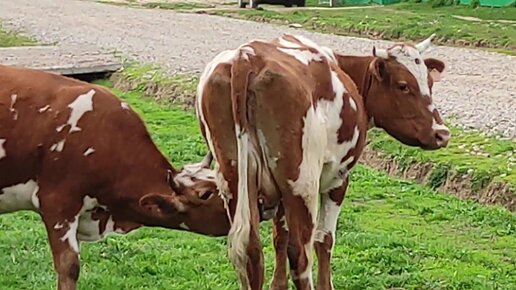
[403,87]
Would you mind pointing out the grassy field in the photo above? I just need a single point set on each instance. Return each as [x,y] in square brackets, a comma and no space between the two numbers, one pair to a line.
[8,39]
[391,234]
[490,159]
[404,21]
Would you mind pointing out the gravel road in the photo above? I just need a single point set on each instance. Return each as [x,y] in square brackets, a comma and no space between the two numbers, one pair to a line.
[479,88]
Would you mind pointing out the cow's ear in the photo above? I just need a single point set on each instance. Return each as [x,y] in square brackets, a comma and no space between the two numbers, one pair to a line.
[161,205]
[432,63]
[377,68]
[435,68]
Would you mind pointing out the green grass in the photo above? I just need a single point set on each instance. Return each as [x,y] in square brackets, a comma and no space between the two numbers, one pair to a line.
[177,5]
[145,74]
[490,159]
[391,233]
[404,21]
[9,39]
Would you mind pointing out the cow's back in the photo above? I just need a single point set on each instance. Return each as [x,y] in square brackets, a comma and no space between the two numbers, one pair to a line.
[66,134]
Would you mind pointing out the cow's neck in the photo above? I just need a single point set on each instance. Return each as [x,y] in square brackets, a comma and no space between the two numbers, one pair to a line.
[357,67]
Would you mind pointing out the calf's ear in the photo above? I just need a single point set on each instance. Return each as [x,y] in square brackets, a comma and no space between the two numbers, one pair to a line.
[162,205]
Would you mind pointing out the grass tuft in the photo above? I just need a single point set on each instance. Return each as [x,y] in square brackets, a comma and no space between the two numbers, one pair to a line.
[10,39]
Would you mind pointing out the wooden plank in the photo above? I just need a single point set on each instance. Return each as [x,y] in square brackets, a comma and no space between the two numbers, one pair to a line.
[68,60]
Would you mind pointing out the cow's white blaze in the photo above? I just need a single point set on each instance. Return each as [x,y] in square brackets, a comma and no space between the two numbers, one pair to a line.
[303,56]
[89,151]
[3,153]
[410,57]
[11,108]
[21,196]
[82,104]
[58,147]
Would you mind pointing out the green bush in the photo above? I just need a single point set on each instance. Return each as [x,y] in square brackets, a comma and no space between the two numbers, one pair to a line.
[474,3]
[441,3]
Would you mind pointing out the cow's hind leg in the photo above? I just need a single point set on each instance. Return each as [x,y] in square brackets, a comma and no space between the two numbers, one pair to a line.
[62,235]
[300,212]
[245,251]
[325,233]
[280,238]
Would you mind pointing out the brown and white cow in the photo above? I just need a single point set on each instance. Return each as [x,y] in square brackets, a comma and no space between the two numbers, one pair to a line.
[84,160]
[285,121]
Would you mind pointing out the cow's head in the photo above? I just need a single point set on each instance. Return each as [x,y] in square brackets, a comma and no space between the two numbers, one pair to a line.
[196,205]
[399,98]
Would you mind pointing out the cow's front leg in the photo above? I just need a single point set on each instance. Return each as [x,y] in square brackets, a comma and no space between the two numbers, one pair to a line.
[62,235]
[325,234]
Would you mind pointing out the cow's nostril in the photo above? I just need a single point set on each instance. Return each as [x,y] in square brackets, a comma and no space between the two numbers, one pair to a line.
[442,137]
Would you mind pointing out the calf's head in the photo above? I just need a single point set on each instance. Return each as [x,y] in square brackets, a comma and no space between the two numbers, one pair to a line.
[399,98]
[195,206]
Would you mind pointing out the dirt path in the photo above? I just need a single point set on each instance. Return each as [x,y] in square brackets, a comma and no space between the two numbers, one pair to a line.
[479,87]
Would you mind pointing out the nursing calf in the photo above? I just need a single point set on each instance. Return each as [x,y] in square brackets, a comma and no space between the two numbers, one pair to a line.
[286,120]
[84,160]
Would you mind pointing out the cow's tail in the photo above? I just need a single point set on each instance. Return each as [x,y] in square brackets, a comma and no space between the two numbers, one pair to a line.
[239,234]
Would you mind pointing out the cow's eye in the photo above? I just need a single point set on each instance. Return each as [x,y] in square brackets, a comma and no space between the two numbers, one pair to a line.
[403,86]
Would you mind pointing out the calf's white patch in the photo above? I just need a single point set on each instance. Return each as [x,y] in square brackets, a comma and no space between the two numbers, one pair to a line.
[43,109]
[21,196]
[58,147]
[89,151]
[12,109]
[2,149]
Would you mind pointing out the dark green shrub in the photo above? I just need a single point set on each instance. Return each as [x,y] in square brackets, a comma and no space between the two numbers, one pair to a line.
[474,3]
